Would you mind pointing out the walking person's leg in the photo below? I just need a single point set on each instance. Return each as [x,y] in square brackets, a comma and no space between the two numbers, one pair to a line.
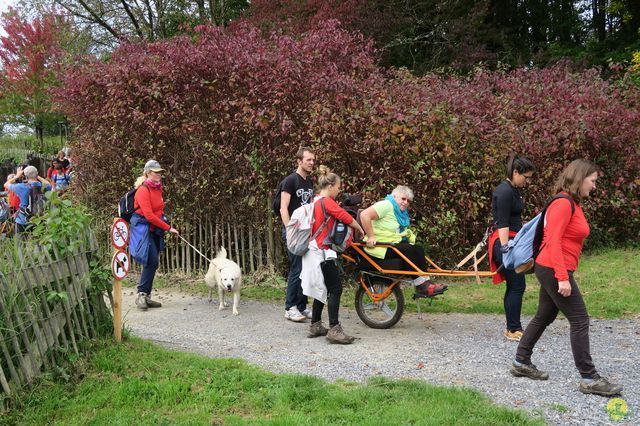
[545,315]
[148,273]
[513,294]
[316,328]
[415,253]
[575,310]
[334,293]
[294,286]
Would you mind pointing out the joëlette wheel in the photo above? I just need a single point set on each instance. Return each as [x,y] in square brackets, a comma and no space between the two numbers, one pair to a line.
[384,313]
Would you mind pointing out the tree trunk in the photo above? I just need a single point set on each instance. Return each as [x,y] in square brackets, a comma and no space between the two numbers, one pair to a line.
[599,19]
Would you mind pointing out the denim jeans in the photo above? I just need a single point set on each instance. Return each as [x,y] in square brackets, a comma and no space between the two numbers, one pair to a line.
[294,297]
[513,292]
[149,271]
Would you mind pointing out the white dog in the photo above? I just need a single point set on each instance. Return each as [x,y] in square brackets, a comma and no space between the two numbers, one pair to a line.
[225,274]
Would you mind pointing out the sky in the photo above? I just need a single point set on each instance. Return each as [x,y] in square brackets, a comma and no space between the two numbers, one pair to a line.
[4,5]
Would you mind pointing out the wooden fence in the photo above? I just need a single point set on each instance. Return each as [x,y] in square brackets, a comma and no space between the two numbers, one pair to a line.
[251,247]
[46,304]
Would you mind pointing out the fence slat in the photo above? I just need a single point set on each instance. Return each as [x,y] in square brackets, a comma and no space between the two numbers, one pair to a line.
[66,302]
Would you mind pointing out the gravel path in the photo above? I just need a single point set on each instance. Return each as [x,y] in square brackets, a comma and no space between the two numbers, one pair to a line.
[446,349]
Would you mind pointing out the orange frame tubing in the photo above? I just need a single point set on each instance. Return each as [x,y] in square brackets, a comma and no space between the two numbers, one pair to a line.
[377,297]
[436,270]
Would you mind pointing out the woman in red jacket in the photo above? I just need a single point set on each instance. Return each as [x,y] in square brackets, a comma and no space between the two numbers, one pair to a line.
[319,267]
[150,205]
[564,235]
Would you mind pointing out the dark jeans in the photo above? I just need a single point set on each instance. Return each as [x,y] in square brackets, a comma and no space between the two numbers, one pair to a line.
[413,252]
[294,297]
[334,292]
[149,271]
[574,310]
[513,292]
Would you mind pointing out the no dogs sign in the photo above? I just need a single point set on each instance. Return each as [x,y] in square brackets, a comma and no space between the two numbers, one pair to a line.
[120,265]
[120,234]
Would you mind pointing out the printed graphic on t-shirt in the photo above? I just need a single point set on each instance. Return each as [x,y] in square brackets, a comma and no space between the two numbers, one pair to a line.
[305,196]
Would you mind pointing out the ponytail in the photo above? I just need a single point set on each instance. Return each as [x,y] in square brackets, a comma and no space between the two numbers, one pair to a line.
[520,164]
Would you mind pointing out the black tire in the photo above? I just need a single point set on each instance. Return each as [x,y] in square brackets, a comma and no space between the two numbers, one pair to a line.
[383,314]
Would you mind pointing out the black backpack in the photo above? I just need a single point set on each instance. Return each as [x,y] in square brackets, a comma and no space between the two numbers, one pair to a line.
[340,235]
[36,200]
[275,202]
[126,207]
[539,235]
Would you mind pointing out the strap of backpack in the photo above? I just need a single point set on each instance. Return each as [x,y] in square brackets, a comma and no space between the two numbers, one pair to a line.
[566,197]
[135,209]
[324,222]
[556,197]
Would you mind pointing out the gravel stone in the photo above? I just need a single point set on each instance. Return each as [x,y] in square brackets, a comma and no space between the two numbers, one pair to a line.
[466,350]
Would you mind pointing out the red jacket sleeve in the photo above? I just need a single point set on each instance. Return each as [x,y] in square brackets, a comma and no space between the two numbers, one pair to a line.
[333,209]
[143,199]
[557,218]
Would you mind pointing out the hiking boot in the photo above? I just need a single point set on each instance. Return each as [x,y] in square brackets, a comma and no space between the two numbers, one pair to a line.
[514,336]
[317,329]
[528,370]
[429,289]
[306,313]
[141,301]
[337,335]
[599,386]
[152,303]
[293,314]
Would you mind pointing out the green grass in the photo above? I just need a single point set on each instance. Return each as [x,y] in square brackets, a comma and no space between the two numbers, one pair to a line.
[608,280]
[137,382]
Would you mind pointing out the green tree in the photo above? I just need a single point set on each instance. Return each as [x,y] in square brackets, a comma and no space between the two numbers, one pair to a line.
[111,22]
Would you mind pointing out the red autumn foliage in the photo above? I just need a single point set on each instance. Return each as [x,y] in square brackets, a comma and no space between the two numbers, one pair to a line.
[224,112]
[29,55]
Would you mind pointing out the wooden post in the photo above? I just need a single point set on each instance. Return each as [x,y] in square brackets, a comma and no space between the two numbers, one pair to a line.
[119,268]
[117,310]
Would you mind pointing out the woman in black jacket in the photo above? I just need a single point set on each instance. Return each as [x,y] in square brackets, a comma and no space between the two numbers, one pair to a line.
[507,205]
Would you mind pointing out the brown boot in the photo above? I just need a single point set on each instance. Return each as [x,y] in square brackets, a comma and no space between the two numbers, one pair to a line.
[152,303]
[317,329]
[337,335]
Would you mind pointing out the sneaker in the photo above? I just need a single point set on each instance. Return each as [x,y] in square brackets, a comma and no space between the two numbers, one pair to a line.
[514,336]
[152,303]
[429,289]
[293,314]
[337,335]
[528,370]
[306,313]
[599,386]
[141,301]
[317,329]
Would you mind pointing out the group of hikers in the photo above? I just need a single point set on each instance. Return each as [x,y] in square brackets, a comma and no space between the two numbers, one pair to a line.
[316,273]
[25,191]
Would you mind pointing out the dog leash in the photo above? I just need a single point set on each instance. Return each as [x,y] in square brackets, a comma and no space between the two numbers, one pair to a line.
[193,247]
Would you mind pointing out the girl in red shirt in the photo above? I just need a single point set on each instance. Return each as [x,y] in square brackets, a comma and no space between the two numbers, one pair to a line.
[329,184]
[564,234]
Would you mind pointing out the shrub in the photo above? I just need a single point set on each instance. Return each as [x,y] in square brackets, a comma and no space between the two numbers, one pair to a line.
[224,112]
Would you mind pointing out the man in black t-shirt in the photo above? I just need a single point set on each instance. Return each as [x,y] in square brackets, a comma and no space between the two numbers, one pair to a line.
[297,190]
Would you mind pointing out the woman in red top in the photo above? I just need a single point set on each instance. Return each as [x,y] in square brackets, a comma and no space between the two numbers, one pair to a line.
[564,234]
[150,205]
[329,184]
